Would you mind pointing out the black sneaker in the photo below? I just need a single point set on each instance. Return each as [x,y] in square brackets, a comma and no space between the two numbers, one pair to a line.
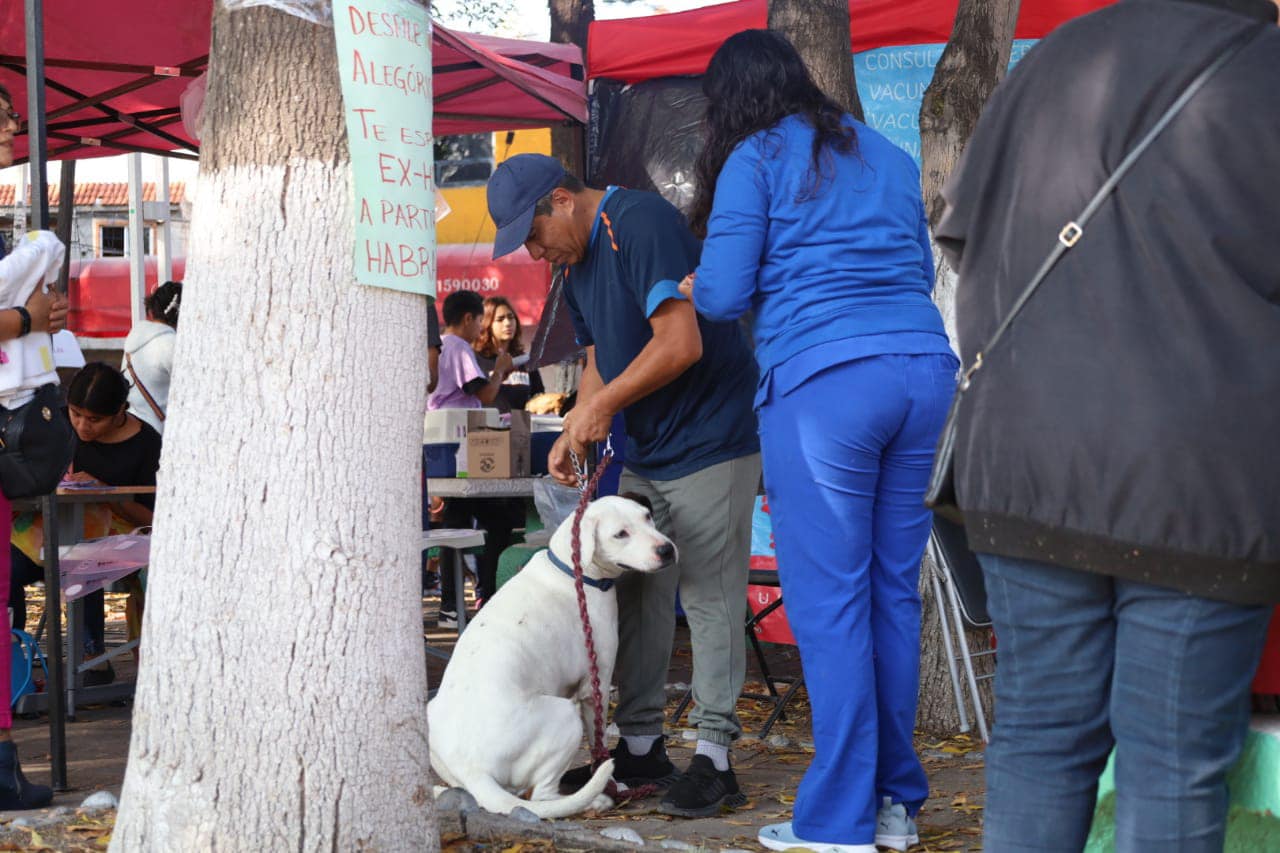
[15,791]
[100,676]
[652,768]
[702,791]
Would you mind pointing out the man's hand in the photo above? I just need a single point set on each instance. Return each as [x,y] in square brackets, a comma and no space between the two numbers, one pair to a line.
[587,423]
[559,465]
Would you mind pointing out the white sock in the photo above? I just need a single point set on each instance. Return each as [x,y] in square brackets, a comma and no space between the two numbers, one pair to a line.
[718,753]
[640,744]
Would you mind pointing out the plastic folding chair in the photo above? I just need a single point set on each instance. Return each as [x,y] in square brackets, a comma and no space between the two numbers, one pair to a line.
[957,572]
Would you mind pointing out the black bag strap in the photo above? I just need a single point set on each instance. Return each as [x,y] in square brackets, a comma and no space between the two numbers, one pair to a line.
[1074,230]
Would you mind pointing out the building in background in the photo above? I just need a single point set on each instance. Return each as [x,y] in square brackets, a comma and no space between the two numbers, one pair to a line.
[100,227]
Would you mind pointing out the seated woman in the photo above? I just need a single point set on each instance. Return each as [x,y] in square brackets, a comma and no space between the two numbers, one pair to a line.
[116,449]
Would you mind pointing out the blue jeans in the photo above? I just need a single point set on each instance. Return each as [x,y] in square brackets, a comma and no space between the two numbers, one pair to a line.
[847,456]
[1088,662]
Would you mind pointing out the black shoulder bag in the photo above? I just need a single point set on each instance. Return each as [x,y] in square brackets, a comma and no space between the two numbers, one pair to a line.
[941,494]
[37,443]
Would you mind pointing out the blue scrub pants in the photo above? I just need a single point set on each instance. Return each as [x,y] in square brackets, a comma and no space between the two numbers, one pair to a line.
[847,456]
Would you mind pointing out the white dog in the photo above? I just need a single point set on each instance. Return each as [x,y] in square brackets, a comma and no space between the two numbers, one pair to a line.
[516,695]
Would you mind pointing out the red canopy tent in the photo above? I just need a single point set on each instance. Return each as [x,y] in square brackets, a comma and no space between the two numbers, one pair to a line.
[636,49]
[484,83]
[115,74]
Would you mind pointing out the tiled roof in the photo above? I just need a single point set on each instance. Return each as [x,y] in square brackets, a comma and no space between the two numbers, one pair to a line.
[111,194]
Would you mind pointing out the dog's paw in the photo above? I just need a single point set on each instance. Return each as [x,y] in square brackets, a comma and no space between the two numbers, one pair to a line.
[523,815]
[601,804]
[456,800]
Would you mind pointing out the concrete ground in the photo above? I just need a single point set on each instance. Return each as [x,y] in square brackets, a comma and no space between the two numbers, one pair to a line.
[768,771]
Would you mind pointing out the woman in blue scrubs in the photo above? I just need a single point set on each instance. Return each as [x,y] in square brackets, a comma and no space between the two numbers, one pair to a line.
[814,222]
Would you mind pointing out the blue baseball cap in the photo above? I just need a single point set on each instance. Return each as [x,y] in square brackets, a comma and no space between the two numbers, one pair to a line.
[514,189]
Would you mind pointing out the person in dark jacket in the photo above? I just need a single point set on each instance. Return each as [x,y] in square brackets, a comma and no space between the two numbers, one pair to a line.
[1117,457]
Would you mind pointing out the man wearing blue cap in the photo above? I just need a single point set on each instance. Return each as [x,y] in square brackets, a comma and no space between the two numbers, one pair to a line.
[685,387]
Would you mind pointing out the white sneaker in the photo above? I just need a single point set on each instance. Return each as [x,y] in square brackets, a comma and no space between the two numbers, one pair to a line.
[894,827]
[447,620]
[780,836]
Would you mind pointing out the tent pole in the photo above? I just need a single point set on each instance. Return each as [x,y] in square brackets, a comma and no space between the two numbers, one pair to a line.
[36,134]
[66,218]
[137,247]
[164,249]
[20,203]
[38,153]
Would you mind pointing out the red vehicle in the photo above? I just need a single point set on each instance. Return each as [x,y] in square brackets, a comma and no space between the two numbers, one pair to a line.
[99,287]
[99,292]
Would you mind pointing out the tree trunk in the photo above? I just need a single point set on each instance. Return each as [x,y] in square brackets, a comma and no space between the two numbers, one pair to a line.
[569,22]
[973,62]
[820,31]
[281,702]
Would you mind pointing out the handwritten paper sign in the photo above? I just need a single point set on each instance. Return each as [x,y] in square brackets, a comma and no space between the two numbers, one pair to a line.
[384,59]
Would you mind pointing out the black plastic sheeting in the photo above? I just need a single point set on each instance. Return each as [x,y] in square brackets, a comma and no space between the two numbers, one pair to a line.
[646,136]
[554,341]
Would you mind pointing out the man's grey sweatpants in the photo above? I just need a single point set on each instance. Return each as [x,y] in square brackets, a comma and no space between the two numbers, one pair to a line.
[708,516]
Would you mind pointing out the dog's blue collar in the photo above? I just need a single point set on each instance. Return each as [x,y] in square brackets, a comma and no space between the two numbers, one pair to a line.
[601,583]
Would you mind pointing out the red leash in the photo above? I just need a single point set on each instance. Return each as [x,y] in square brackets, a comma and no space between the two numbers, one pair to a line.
[599,752]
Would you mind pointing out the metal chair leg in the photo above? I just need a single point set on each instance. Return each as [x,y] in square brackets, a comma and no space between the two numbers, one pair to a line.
[935,578]
[460,587]
[780,706]
[682,707]
[752,621]
[968,664]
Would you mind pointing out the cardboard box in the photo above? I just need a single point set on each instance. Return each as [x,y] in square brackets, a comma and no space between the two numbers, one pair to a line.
[500,453]
[450,426]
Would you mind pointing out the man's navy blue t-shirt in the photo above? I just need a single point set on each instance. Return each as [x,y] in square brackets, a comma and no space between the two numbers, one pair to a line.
[640,249]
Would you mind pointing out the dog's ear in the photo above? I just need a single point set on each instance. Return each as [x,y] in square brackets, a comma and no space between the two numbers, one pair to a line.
[562,539]
[587,534]
[637,498]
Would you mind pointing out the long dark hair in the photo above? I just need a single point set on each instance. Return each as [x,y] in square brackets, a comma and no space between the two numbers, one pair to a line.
[486,344]
[755,80]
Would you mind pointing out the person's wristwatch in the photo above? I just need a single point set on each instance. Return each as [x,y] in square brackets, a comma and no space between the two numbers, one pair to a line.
[26,320]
